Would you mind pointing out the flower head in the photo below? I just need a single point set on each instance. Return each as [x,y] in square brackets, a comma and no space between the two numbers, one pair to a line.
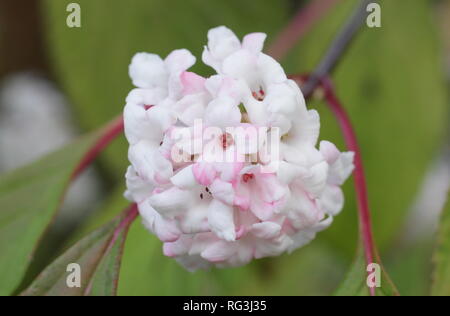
[226,169]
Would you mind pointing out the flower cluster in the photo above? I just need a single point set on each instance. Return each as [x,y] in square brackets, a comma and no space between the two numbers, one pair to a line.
[209,211]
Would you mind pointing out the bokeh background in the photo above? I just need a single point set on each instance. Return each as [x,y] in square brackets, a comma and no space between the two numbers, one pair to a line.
[58,82]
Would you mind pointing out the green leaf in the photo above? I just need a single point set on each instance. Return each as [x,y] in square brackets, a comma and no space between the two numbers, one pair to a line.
[441,258]
[29,198]
[99,256]
[355,282]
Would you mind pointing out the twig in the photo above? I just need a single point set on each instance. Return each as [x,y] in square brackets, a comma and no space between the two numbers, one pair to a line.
[337,47]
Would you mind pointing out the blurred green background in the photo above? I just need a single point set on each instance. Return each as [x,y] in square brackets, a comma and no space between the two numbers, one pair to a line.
[393,81]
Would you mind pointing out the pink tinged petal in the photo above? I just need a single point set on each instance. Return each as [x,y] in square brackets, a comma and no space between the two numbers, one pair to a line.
[269,188]
[221,220]
[273,247]
[302,211]
[171,202]
[332,200]
[254,42]
[192,83]
[305,236]
[146,97]
[184,178]
[220,86]
[177,62]
[223,191]
[242,201]
[262,209]
[165,229]
[219,251]
[137,189]
[315,180]
[329,151]
[229,171]
[201,241]
[193,263]
[242,256]
[204,173]
[246,138]
[148,71]
[177,248]
[195,219]
[301,239]
[241,231]
[149,163]
[342,168]
[266,230]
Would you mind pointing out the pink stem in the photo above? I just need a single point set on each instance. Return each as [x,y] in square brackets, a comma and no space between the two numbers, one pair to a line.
[301,23]
[359,177]
[114,129]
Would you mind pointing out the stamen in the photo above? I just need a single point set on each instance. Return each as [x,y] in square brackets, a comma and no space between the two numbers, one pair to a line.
[247,177]
[226,140]
[260,95]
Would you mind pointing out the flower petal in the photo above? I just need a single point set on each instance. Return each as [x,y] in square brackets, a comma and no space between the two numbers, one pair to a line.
[148,71]
[195,219]
[137,189]
[342,168]
[266,230]
[184,178]
[204,173]
[254,42]
[219,251]
[172,202]
[222,112]
[221,43]
[223,191]
[179,60]
[149,163]
[332,200]
[165,229]
[220,218]
[302,211]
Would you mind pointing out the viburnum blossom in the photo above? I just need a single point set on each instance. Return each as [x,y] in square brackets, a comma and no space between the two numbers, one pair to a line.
[208,210]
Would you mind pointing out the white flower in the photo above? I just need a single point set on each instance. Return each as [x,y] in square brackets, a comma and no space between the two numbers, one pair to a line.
[225,212]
